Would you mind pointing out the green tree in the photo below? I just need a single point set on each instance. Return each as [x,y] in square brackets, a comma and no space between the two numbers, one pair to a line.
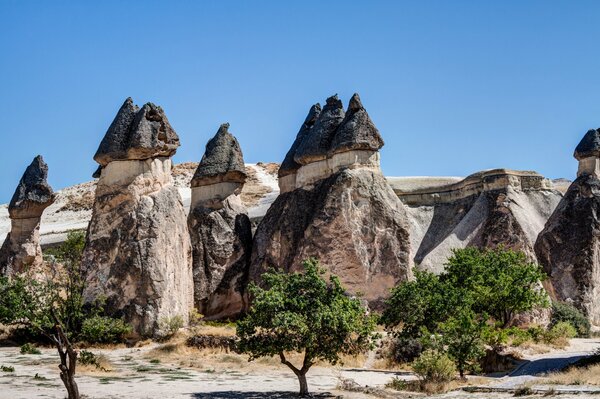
[304,313]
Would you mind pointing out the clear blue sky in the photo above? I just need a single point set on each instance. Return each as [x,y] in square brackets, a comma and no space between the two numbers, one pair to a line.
[453,86]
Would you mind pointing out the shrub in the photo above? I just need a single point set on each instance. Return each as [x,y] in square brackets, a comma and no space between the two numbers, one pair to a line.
[168,326]
[559,334]
[7,369]
[404,350]
[29,349]
[104,330]
[568,313]
[434,366]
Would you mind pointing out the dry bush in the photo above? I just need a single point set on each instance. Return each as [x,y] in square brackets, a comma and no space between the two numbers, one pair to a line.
[576,376]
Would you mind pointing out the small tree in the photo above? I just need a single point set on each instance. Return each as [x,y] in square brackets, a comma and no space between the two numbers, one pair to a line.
[304,313]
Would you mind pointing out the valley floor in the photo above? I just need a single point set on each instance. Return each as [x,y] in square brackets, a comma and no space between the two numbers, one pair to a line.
[136,373]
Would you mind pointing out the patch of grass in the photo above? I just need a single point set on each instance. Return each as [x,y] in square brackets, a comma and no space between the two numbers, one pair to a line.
[39,377]
[523,390]
[154,361]
[576,376]
[29,349]
[7,369]
[143,369]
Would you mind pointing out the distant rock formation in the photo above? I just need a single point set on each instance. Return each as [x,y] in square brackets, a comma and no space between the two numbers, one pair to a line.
[488,209]
[21,249]
[138,251]
[569,246]
[336,205]
[220,229]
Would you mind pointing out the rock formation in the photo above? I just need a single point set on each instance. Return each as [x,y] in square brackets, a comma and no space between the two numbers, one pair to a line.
[569,246]
[488,209]
[220,229]
[138,251]
[336,205]
[21,249]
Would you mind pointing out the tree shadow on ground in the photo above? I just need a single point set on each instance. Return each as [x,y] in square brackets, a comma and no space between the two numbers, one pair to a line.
[255,395]
[544,365]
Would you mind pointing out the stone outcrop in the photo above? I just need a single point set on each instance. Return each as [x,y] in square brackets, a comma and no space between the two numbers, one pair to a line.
[220,229]
[488,209]
[138,252]
[335,205]
[569,246]
[21,250]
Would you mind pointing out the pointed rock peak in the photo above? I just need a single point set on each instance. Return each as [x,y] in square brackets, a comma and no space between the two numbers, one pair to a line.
[313,114]
[357,131]
[355,103]
[333,102]
[137,134]
[589,145]
[33,194]
[289,166]
[223,160]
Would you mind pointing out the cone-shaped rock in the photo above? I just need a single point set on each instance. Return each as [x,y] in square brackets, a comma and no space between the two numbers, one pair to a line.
[316,144]
[137,134]
[338,208]
[21,249]
[220,229]
[289,165]
[138,252]
[569,246]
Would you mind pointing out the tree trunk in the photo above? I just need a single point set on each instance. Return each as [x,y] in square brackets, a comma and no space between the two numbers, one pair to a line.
[68,360]
[303,384]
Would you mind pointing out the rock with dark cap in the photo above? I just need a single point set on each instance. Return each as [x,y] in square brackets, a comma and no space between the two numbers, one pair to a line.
[21,250]
[357,131]
[220,230]
[289,165]
[589,145]
[137,134]
[315,146]
[222,160]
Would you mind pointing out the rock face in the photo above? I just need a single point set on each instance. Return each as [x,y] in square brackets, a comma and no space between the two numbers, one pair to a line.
[21,249]
[220,229]
[336,205]
[138,251]
[569,246]
[488,209]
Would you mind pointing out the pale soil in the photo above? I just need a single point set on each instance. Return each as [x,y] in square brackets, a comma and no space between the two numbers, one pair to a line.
[182,372]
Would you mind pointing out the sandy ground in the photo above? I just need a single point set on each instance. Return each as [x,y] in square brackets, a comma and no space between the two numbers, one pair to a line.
[136,375]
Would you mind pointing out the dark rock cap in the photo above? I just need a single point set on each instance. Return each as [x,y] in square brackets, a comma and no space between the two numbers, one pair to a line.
[223,160]
[589,145]
[357,131]
[137,134]
[316,144]
[33,194]
[289,166]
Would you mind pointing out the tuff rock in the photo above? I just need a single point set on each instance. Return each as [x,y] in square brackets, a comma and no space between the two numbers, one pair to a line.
[138,253]
[220,229]
[335,205]
[21,250]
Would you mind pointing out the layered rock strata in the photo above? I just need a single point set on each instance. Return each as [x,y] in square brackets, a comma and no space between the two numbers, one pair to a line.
[569,246]
[138,252]
[21,250]
[488,209]
[335,205]
[220,229]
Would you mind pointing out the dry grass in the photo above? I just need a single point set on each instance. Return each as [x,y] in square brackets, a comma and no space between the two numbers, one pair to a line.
[436,387]
[216,330]
[102,367]
[576,376]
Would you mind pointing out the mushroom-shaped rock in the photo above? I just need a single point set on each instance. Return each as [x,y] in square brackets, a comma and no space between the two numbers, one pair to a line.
[357,131]
[589,146]
[138,251]
[220,229]
[289,165]
[137,134]
[315,146]
[222,160]
[21,249]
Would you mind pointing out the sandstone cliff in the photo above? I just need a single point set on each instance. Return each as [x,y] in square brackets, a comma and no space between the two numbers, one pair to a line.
[336,205]
[220,229]
[138,253]
[21,249]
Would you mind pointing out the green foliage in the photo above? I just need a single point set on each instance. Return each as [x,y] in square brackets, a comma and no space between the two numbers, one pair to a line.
[559,334]
[303,312]
[168,326]
[30,349]
[562,311]
[99,329]
[7,369]
[434,366]
[462,338]
[90,359]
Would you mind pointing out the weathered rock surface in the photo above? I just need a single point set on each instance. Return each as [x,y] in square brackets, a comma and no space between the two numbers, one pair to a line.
[21,249]
[569,247]
[337,206]
[487,209]
[220,229]
[138,251]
